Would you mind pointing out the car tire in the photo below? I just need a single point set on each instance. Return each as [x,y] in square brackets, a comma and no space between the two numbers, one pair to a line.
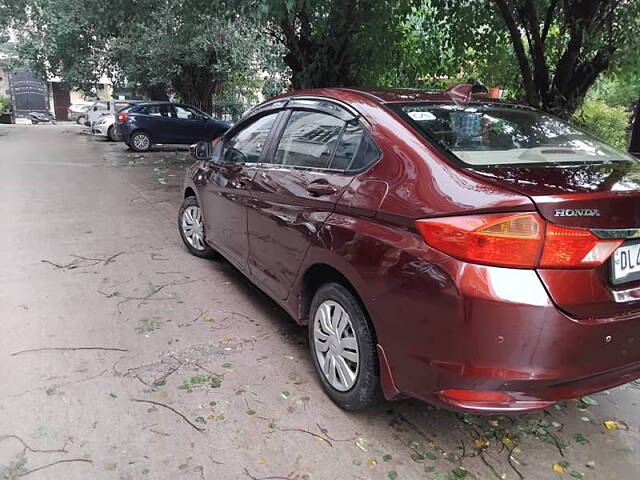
[113,135]
[140,141]
[192,229]
[352,341]
[81,120]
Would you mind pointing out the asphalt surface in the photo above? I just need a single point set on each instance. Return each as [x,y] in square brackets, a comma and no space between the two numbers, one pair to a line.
[103,312]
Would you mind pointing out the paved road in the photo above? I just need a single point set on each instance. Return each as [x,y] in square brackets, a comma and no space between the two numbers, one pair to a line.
[90,258]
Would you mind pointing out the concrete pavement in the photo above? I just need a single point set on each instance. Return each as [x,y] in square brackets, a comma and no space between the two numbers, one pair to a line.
[123,357]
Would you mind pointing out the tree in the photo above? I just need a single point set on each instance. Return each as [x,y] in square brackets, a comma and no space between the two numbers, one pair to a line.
[329,42]
[152,46]
[562,46]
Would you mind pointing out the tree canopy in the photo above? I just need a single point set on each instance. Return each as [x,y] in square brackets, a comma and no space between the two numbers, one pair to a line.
[548,53]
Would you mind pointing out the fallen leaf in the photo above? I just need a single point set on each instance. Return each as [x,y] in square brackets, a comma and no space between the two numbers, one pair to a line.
[480,443]
[361,443]
[285,394]
[372,461]
[392,475]
[590,464]
[251,412]
[558,468]
[611,425]
[507,442]
[386,457]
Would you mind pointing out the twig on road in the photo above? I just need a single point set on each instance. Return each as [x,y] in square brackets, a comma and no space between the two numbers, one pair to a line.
[31,449]
[80,261]
[321,437]
[200,429]
[273,477]
[70,460]
[510,452]
[69,349]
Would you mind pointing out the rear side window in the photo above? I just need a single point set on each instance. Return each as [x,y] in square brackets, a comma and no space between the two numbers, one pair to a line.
[247,145]
[309,140]
[157,110]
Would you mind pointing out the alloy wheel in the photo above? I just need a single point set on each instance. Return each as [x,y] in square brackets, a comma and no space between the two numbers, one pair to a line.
[141,141]
[335,345]
[193,227]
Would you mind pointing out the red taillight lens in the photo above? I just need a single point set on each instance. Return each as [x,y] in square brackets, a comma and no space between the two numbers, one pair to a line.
[521,240]
[575,247]
[498,239]
[123,117]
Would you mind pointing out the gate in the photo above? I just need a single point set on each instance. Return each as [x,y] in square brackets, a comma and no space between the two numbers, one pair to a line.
[28,92]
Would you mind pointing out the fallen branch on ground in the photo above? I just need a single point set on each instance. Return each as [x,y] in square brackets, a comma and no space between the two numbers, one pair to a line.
[70,460]
[276,477]
[321,437]
[200,429]
[69,349]
[34,450]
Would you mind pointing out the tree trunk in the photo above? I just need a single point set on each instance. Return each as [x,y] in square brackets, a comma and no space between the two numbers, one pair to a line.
[196,86]
[157,92]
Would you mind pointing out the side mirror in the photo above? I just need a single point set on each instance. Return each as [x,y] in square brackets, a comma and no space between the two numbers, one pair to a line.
[201,150]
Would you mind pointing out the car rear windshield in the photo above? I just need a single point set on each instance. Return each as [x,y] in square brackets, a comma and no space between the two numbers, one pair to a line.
[490,135]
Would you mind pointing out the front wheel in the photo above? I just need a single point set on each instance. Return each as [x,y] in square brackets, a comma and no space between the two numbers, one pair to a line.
[343,348]
[81,120]
[141,142]
[192,229]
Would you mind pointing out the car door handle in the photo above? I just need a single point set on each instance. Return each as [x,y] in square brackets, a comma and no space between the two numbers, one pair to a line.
[320,188]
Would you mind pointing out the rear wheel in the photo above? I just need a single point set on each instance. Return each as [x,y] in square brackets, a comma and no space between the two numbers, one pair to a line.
[81,120]
[114,134]
[192,229]
[140,141]
[343,348]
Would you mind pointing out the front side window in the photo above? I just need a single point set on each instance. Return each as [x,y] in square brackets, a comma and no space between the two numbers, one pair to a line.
[247,145]
[498,135]
[309,140]
[187,113]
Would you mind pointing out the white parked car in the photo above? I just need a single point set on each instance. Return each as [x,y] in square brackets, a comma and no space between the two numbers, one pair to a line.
[106,127]
[104,108]
[77,112]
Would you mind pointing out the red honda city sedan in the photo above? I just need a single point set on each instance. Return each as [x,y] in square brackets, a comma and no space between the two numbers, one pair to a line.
[445,246]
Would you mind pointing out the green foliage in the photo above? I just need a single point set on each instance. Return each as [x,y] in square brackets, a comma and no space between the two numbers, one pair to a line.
[187,48]
[330,42]
[5,104]
[609,123]
[618,88]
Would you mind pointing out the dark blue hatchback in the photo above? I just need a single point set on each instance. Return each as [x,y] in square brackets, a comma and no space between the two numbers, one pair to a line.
[147,123]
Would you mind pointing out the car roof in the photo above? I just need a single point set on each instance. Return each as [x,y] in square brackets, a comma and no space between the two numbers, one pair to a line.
[389,95]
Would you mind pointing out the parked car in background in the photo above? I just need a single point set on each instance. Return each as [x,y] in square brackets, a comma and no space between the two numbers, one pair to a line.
[107,127]
[149,123]
[449,247]
[103,108]
[77,112]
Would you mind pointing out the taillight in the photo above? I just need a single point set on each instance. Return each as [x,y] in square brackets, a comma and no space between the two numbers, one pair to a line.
[504,240]
[515,240]
[123,117]
[575,247]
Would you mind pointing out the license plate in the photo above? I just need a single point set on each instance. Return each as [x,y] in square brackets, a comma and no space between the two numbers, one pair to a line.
[626,263]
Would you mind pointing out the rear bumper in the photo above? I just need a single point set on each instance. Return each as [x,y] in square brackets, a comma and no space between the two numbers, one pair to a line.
[486,329]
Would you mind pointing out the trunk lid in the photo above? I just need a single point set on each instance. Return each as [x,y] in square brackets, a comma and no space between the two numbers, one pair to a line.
[596,196]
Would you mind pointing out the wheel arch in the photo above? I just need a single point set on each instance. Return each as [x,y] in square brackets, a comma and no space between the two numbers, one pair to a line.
[313,278]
